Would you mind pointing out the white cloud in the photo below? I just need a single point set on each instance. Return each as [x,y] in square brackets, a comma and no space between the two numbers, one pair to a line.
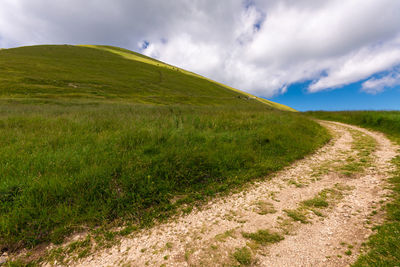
[377,85]
[358,66]
[260,46]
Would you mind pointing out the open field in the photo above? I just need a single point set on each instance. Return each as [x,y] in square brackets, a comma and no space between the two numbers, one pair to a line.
[384,246]
[90,139]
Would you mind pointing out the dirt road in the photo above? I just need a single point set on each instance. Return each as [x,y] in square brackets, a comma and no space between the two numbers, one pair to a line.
[317,212]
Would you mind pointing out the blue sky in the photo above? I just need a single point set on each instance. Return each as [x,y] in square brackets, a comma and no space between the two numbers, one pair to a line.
[346,98]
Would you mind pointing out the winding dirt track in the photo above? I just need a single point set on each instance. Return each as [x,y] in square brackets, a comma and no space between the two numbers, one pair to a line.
[210,236]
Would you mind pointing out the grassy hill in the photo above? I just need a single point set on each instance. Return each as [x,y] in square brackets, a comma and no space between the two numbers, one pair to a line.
[101,136]
[138,57]
[107,73]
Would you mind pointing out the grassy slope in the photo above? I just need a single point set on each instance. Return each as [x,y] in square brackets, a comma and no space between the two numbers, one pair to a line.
[44,72]
[384,246]
[90,138]
[138,57]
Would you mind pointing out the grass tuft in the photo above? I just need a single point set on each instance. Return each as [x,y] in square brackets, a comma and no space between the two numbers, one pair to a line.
[317,202]
[297,215]
[264,237]
[264,208]
[243,256]
[222,237]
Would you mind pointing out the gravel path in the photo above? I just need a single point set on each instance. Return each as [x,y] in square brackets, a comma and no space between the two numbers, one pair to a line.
[329,236]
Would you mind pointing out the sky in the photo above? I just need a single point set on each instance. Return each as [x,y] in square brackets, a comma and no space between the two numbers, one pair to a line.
[308,54]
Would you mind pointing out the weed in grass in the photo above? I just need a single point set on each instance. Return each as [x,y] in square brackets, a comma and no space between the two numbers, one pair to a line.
[264,237]
[243,256]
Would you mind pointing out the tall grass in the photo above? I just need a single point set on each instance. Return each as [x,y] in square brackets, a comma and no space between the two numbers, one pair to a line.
[69,164]
[384,246]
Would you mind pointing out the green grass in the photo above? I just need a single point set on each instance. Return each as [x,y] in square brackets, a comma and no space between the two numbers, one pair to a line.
[222,237]
[89,138]
[264,237]
[243,256]
[364,145]
[107,74]
[383,248]
[384,121]
[316,202]
[138,57]
[298,215]
[63,166]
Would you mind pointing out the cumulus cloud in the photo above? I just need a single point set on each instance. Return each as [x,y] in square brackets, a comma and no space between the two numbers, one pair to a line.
[358,66]
[377,85]
[260,46]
